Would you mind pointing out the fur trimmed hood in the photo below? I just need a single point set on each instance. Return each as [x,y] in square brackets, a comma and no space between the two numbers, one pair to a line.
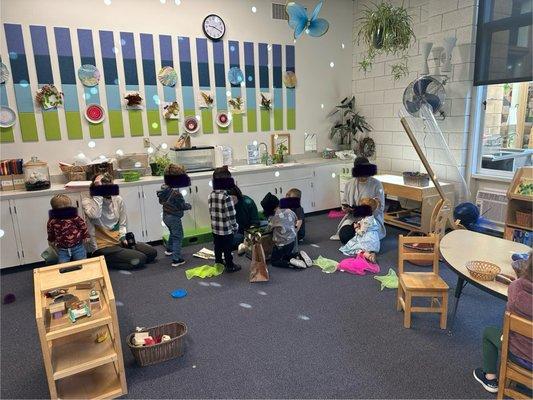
[289,202]
[177,181]
[223,183]
[63,213]
[104,190]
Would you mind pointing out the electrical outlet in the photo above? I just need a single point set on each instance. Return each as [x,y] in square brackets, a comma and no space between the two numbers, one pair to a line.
[146,142]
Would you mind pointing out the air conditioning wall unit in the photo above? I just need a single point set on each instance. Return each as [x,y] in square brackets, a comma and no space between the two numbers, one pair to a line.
[492,204]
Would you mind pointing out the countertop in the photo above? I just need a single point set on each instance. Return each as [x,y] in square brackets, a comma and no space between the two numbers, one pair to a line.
[146,180]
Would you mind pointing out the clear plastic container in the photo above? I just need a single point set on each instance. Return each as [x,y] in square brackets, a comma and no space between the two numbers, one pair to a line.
[36,175]
[194,159]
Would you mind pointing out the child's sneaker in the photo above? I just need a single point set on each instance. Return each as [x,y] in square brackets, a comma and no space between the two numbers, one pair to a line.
[241,249]
[179,262]
[233,268]
[306,259]
[490,385]
[298,264]
[168,253]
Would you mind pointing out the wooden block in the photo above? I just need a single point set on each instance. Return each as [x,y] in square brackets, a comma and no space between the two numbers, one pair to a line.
[57,307]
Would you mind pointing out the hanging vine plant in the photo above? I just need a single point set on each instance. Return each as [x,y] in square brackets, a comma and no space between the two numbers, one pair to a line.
[386,30]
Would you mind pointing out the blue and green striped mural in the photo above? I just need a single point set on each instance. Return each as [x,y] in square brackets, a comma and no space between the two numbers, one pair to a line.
[272,59]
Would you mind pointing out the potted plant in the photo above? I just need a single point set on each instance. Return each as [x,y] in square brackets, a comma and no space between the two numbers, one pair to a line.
[278,156]
[386,30]
[158,163]
[349,126]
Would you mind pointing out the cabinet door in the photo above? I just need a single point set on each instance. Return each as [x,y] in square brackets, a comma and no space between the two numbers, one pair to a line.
[152,213]
[32,217]
[133,203]
[258,192]
[326,187]
[10,254]
[201,188]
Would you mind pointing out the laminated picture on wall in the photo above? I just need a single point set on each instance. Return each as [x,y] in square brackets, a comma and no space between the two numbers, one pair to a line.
[236,105]
[170,109]
[133,101]
[265,101]
[205,99]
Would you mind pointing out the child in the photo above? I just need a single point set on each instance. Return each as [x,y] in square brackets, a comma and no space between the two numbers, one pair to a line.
[66,230]
[519,302]
[282,222]
[366,237]
[173,207]
[223,218]
[295,205]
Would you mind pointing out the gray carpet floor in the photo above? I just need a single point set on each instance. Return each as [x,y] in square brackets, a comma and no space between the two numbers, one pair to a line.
[304,334]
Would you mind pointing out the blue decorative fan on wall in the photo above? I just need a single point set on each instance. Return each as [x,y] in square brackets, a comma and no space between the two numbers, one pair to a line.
[300,22]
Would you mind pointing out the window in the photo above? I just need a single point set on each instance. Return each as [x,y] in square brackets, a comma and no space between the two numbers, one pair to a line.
[506,121]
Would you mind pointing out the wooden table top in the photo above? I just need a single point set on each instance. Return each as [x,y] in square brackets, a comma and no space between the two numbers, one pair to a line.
[460,246]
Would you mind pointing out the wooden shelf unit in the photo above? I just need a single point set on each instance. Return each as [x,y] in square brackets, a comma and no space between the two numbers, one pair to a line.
[76,365]
[427,197]
[518,202]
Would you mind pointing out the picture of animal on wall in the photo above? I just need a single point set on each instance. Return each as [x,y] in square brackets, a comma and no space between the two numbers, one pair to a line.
[171,110]
[133,101]
[205,99]
[265,101]
[236,105]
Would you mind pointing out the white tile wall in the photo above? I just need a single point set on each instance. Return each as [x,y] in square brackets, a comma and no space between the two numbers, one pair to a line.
[380,97]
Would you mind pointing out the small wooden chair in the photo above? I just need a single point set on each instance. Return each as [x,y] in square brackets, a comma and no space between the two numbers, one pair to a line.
[509,371]
[421,284]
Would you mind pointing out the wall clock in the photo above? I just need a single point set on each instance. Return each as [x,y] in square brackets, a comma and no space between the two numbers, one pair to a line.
[214,27]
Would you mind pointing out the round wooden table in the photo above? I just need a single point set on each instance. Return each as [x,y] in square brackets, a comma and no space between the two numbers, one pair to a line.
[460,246]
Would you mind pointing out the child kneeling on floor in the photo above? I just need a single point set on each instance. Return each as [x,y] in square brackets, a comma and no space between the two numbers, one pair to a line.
[282,223]
[173,207]
[223,218]
[294,198]
[366,239]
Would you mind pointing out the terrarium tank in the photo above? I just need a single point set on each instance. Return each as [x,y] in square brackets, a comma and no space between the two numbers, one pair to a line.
[36,175]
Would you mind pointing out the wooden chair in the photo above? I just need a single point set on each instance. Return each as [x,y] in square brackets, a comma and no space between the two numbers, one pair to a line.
[509,371]
[421,284]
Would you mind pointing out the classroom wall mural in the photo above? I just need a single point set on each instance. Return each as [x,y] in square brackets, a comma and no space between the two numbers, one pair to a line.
[226,97]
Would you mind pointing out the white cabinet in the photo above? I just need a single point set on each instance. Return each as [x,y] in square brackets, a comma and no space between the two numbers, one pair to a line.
[10,252]
[133,203]
[201,188]
[326,187]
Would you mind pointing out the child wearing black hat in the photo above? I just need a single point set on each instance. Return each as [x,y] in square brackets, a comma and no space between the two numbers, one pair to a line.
[282,222]
[223,218]
[173,207]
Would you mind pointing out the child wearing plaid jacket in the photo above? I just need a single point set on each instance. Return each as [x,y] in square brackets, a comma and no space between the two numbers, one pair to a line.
[223,218]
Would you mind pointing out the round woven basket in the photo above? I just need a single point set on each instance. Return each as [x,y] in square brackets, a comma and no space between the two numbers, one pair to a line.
[482,270]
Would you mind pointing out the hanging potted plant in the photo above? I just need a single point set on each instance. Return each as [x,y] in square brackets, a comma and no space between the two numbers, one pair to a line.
[386,29]
[349,127]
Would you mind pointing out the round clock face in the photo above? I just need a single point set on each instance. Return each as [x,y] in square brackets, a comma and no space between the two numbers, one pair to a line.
[214,27]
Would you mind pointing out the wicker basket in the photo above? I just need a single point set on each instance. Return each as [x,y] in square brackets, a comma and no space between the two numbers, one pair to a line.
[77,173]
[523,218]
[150,355]
[482,270]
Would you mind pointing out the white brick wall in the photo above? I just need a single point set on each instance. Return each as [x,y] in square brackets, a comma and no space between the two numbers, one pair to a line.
[379,97]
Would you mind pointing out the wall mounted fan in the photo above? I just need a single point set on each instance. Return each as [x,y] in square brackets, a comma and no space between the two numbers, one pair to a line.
[424,90]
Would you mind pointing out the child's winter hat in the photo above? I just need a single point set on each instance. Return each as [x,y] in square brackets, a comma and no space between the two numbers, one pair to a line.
[289,202]
[269,203]
[63,213]
[363,168]
[104,190]
[178,181]
[362,211]
[222,179]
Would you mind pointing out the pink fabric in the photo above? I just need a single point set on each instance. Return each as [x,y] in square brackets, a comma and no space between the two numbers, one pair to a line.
[358,265]
[336,214]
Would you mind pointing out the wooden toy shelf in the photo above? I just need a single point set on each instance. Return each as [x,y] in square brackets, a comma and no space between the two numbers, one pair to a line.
[514,230]
[76,365]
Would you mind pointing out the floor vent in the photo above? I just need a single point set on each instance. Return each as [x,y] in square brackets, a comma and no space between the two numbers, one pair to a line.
[278,12]
[492,205]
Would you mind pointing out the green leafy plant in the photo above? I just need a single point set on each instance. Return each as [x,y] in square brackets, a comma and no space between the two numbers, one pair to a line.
[278,156]
[386,30]
[346,129]
[158,164]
